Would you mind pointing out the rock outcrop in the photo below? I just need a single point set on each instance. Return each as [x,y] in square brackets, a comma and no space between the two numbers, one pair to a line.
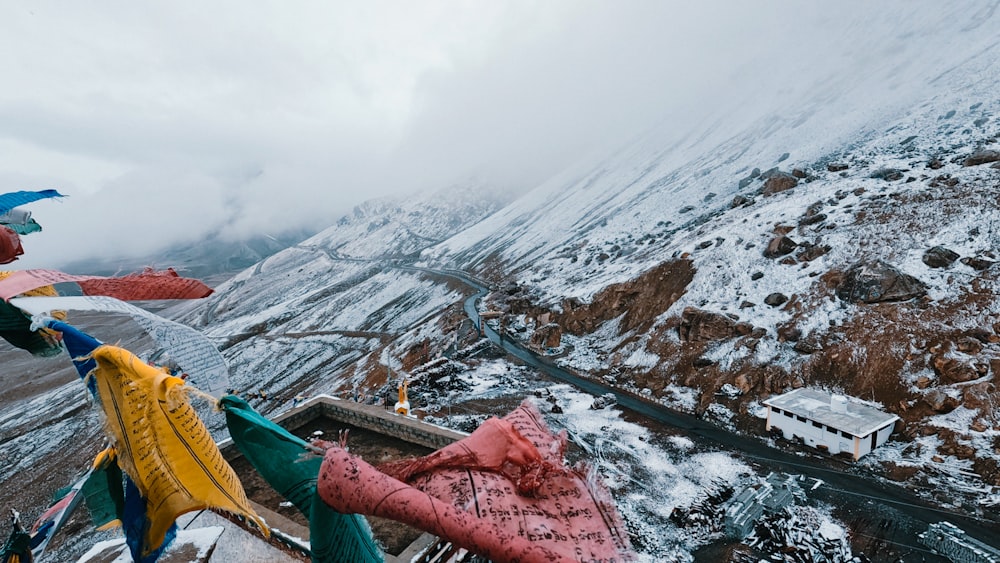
[876,281]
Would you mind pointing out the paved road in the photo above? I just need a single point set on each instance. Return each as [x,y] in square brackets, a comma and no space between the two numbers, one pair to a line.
[866,490]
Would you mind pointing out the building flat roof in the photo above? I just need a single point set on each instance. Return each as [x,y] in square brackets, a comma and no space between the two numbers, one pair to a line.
[859,420]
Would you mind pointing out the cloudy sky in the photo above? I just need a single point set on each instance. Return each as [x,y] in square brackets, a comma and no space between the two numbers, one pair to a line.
[163,121]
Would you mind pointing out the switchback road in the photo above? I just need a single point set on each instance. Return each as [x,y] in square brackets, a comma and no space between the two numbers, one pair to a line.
[864,489]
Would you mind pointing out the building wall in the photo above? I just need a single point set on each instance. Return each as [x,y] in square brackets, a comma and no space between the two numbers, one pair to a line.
[817,435]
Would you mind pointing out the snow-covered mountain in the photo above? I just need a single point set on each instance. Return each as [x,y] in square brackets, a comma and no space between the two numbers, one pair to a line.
[839,231]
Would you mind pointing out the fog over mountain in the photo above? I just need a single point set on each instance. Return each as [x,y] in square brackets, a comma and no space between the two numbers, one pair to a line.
[165,123]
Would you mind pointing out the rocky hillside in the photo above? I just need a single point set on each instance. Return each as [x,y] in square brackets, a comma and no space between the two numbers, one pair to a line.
[847,240]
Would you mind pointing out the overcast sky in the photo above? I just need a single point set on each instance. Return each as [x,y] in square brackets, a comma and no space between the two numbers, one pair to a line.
[164,120]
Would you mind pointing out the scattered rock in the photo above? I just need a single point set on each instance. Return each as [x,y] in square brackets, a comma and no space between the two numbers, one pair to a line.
[779,246]
[977,262]
[779,182]
[698,325]
[969,345]
[887,174]
[740,200]
[836,166]
[978,426]
[798,173]
[789,334]
[939,401]
[756,276]
[547,336]
[812,252]
[807,346]
[743,328]
[775,299]
[876,281]
[952,370]
[812,219]
[923,382]
[702,362]
[729,390]
[747,305]
[703,245]
[982,157]
[604,401]
[686,209]
[939,257]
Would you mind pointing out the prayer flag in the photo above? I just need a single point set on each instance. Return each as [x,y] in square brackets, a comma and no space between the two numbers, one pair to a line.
[146,285]
[504,493]
[17,547]
[291,466]
[11,200]
[190,349]
[163,446]
[10,245]
[103,491]
[46,526]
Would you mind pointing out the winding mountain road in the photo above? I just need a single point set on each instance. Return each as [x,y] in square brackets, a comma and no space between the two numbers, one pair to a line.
[867,490]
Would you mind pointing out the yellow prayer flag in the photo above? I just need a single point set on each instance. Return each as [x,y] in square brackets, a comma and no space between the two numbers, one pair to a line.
[163,445]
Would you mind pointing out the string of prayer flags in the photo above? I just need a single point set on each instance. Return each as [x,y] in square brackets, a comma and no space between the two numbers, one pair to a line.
[291,467]
[504,492]
[163,446]
[191,350]
[146,285]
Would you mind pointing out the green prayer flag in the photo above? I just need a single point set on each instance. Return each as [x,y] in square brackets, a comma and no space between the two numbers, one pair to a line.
[104,493]
[289,465]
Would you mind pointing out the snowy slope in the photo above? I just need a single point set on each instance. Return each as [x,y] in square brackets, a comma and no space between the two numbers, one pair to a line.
[881,90]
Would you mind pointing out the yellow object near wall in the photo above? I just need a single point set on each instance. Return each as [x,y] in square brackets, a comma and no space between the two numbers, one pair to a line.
[163,445]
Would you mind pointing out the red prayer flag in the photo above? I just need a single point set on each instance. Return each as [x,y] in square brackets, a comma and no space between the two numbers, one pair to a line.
[148,284]
[504,492]
[10,245]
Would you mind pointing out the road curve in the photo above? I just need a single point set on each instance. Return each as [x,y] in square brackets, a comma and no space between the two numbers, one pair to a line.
[707,433]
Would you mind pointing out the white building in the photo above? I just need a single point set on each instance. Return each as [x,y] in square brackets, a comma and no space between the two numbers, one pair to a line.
[829,422]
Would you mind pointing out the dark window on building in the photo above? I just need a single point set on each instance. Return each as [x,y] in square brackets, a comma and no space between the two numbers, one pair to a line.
[845,434]
[816,424]
[800,418]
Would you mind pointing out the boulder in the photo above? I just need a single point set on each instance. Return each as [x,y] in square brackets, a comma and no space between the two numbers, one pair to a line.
[779,246]
[876,281]
[812,219]
[982,157]
[939,401]
[888,174]
[740,200]
[939,257]
[779,182]
[952,370]
[977,262]
[813,252]
[836,166]
[775,299]
[547,336]
[604,401]
[698,325]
